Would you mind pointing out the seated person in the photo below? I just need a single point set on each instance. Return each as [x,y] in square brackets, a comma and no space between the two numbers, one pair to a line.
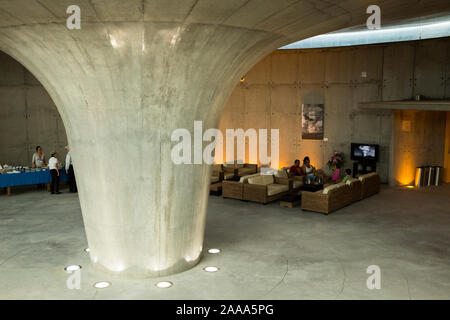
[296,170]
[336,173]
[348,175]
[309,171]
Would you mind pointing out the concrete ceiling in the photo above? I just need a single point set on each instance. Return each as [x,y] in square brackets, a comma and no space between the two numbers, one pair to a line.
[292,19]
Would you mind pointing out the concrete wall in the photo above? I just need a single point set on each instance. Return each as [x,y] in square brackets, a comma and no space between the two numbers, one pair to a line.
[275,89]
[447,150]
[419,140]
[28,116]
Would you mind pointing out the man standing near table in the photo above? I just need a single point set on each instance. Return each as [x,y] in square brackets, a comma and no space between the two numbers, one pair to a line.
[69,172]
[54,173]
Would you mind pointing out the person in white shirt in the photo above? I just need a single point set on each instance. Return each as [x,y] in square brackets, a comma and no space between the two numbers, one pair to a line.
[38,160]
[54,172]
[69,171]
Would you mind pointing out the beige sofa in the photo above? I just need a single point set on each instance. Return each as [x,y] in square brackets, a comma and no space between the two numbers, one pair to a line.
[296,181]
[217,174]
[339,195]
[329,199]
[370,184]
[355,189]
[265,188]
[235,189]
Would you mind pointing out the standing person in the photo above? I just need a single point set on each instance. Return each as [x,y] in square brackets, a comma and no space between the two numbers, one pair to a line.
[69,172]
[38,160]
[54,172]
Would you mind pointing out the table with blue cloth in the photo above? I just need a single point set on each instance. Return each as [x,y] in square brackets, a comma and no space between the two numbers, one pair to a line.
[8,180]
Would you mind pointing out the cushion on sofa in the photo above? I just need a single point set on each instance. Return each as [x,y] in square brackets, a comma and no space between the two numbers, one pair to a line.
[368,175]
[273,189]
[233,165]
[245,178]
[351,181]
[243,171]
[263,180]
[214,179]
[331,187]
[297,184]
[282,173]
[228,175]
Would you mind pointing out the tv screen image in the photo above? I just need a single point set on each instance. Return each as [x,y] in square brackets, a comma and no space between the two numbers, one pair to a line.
[364,151]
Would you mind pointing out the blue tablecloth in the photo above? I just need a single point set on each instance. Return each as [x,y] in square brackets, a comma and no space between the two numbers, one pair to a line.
[27,178]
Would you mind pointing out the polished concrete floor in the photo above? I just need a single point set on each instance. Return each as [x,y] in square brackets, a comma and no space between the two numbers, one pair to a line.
[268,252]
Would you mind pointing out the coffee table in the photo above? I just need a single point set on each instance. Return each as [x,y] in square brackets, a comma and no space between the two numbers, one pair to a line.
[291,200]
[311,187]
[216,189]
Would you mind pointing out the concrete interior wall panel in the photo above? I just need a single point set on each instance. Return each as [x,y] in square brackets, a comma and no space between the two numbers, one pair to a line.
[398,66]
[283,99]
[446,177]
[367,126]
[337,66]
[315,150]
[13,127]
[257,98]
[13,138]
[260,73]
[28,116]
[367,60]
[31,80]
[287,124]
[430,69]
[284,67]
[311,67]
[11,71]
[447,73]
[422,144]
[338,105]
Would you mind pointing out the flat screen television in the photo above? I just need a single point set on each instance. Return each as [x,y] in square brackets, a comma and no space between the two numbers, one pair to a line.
[364,152]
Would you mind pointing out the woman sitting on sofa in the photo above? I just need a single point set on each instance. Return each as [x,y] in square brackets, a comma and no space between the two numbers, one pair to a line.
[308,170]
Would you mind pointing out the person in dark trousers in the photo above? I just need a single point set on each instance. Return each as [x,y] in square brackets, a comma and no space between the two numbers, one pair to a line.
[69,171]
[54,172]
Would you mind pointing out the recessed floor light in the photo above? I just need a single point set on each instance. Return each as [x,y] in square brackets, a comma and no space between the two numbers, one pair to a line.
[102,284]
[87,250]
[211,269]
[164,284]
[214,250]
[72,268]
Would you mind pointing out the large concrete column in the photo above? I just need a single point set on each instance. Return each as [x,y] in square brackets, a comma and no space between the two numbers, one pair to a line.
[130,77]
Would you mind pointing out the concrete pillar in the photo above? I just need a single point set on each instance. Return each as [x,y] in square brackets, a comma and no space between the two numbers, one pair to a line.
[122,89]
[136,71]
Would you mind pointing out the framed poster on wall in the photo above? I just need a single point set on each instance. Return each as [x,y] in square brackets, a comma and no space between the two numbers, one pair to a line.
[312,121]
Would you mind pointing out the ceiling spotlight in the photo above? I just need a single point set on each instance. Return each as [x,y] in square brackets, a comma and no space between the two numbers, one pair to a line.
[102,284]
[214,250]
[87,250]
[72,268]
[211,269]
[164,284]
